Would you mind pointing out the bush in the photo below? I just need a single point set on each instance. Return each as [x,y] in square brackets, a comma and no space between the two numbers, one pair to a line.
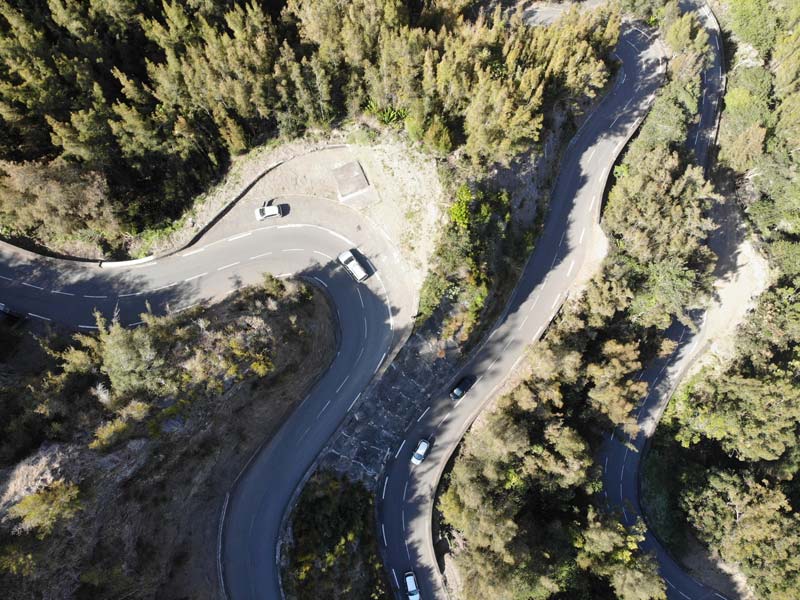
[15,561]
[109,433]
[42,510]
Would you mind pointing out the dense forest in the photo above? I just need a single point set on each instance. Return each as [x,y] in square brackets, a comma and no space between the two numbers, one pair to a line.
[725,462]
[115,113]
[522,500]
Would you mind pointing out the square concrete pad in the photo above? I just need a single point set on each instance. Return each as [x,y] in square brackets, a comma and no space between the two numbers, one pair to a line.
[350,180]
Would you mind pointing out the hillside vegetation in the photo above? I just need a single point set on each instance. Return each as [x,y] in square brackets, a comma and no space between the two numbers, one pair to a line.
[117,446]
[334,551]
[114,114]
[725,463]
[522,498]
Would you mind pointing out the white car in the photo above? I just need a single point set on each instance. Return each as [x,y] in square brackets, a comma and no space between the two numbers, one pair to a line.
[352,266]
[265,211]
[421,452]
[412,590]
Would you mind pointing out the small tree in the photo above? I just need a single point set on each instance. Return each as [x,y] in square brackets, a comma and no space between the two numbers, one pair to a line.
[460,209]
[15,561]
[41,510]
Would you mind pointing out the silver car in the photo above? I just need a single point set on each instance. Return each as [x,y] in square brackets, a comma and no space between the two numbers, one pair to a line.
[412,589]
[421,452]
[352,266]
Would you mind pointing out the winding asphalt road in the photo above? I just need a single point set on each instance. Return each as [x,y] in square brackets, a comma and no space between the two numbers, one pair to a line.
[369,317]
[407,492]
[621,454]
[372,318]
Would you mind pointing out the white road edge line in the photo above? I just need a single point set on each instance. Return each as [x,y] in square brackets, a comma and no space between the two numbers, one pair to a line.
[87,327]
[30,285]
[385,483]
[383,531]
[354,402]
[185,254]
[38,316]
[238,237]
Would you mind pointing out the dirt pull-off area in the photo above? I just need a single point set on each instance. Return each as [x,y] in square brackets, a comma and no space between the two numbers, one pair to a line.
[147,524]
[404,199]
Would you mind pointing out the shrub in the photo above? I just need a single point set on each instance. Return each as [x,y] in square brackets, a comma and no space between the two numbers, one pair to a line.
[109,433]
[42,510]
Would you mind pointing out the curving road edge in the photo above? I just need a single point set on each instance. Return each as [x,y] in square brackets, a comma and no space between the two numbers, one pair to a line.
[621,455]
[406,493]
[373,317]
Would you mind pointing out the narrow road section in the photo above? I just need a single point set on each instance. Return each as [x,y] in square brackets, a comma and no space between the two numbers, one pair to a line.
[621,455]
[405,506]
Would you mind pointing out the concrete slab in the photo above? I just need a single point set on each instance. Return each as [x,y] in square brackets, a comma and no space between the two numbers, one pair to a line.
[350,180]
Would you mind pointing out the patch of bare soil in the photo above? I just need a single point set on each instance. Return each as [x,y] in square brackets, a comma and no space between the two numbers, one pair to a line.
[150,508]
